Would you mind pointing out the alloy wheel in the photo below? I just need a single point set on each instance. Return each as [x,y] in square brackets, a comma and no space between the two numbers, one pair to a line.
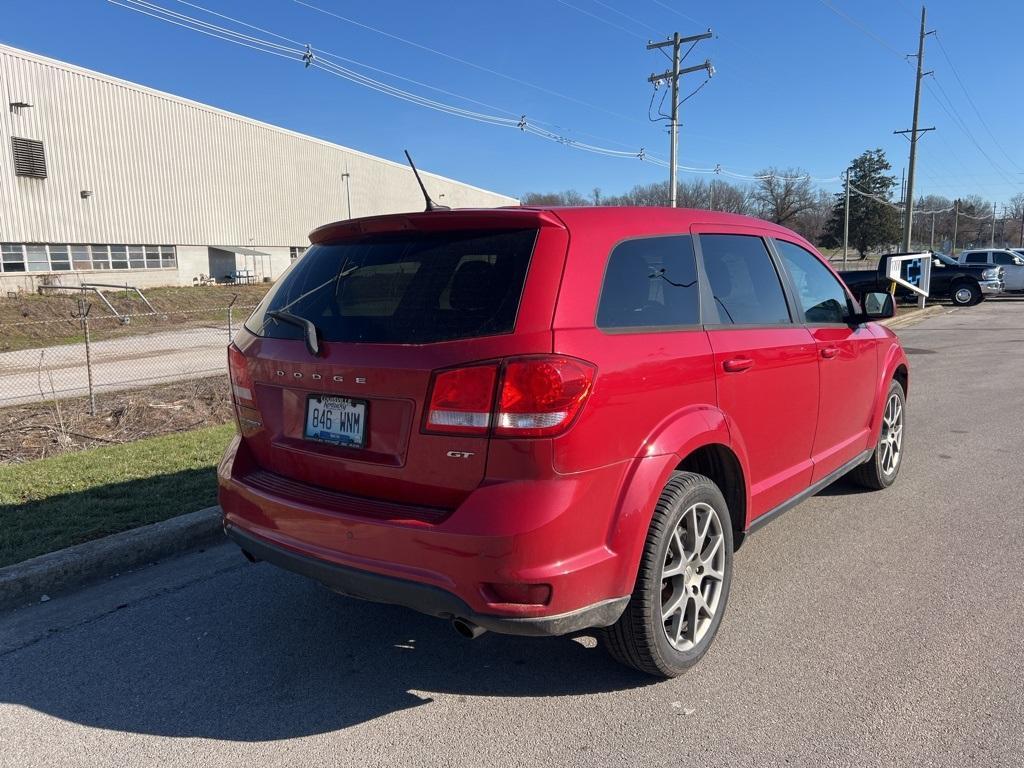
[963,295]
[891,441]
[691,578]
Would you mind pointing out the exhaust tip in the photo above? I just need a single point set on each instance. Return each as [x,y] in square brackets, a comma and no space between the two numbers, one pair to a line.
[467,628]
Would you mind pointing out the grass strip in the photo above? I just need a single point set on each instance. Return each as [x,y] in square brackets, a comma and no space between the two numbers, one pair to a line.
[56,502]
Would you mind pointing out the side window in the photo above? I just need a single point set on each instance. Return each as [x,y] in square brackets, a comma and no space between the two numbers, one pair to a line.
[822,296]
[1002,258]
[745,285]
[977,258]
[650,282]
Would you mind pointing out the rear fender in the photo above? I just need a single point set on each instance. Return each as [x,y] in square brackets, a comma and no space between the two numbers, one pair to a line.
[644,481]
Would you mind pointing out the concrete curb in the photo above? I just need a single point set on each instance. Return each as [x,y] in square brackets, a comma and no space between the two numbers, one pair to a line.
[76,566]
[913,316]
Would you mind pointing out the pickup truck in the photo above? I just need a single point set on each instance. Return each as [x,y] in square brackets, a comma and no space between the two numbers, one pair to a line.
[1011,261]
[962,284]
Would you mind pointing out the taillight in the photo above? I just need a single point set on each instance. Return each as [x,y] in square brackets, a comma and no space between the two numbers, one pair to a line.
[247,417]
[537,396]
[461,400]
[540,396]
[241,381]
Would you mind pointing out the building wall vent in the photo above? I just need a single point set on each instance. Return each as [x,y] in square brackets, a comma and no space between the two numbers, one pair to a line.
[29,157]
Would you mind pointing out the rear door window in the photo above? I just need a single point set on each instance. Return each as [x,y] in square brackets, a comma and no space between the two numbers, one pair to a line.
[978,257]
[650,282]
[403,289]
[744,284]
[822,297]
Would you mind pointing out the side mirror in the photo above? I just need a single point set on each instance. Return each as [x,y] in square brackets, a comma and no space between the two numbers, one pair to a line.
[936,262]
[878,306]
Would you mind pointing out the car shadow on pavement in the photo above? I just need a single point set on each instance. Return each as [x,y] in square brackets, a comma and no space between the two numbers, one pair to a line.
[258,654]
[844,486]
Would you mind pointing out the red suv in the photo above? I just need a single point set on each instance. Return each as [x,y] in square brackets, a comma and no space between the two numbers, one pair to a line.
[539,421]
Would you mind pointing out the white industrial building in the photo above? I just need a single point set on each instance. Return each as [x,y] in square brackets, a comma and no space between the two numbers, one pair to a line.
[105,180]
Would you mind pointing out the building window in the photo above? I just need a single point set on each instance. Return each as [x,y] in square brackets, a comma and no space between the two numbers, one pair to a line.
[12,257]
[29,157]
[60,257]
[118,257]
[80,258]
[36,257]
[295,251]
[100,256]
[59,261]
[136,257]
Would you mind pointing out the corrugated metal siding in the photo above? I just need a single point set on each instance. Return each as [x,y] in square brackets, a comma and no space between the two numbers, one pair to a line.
[166,170]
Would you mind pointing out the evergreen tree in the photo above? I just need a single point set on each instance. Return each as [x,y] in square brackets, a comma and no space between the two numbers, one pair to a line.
[872,222]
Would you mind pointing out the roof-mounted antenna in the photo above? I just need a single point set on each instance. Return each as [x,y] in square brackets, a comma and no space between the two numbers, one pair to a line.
[431,205]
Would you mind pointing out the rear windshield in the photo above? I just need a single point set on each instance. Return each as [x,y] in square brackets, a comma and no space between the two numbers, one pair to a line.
[403,289]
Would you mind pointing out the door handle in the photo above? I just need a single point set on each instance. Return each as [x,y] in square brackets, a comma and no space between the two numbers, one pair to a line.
[738,364]
[829,352]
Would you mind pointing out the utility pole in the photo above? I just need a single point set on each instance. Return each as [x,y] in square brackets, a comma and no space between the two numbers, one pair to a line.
[903,197]
[992,239]
[348,191]
[914,132]
[1022,226]
[931,246]
[956,220]
[673,75]
[846,219]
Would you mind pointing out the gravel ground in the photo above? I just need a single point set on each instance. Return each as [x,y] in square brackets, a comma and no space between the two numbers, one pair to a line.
[863,629]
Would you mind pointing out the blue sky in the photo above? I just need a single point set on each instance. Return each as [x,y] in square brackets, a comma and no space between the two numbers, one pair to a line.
[797,84]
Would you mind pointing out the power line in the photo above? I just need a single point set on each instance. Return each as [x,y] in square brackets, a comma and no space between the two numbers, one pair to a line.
[960,123]
[974,106]
[858,25]
[465,62]
[601,19]
[639,23]
[317,60]
[676,12]
[354,62]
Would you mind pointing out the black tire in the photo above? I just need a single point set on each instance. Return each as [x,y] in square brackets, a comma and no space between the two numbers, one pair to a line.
[878,472]
[965,293]
[639,638]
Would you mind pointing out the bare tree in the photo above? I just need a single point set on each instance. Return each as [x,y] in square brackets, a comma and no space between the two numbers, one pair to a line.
[1015,227]
[568,197]
[812,221]
[727,197]
[782,195]
[692,194]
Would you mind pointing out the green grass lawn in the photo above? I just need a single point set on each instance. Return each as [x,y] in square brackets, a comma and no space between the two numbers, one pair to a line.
[53,503]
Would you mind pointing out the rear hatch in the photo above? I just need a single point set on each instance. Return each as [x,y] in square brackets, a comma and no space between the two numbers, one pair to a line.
[393,301]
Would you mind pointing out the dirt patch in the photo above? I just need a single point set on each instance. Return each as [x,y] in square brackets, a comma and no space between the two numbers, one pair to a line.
[38,430]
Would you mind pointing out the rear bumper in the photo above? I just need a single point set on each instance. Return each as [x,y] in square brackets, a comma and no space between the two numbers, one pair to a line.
[559,531]
[424,598]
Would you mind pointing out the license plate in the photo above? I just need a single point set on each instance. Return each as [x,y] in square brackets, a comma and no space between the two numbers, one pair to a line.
[337,420]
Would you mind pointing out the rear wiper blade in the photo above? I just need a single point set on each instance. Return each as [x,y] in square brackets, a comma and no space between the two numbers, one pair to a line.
[312,340]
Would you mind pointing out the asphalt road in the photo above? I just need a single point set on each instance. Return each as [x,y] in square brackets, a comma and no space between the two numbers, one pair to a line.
[863,629]
[30,375]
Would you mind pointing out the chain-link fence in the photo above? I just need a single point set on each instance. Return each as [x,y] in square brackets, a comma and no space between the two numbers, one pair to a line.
[89,354]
